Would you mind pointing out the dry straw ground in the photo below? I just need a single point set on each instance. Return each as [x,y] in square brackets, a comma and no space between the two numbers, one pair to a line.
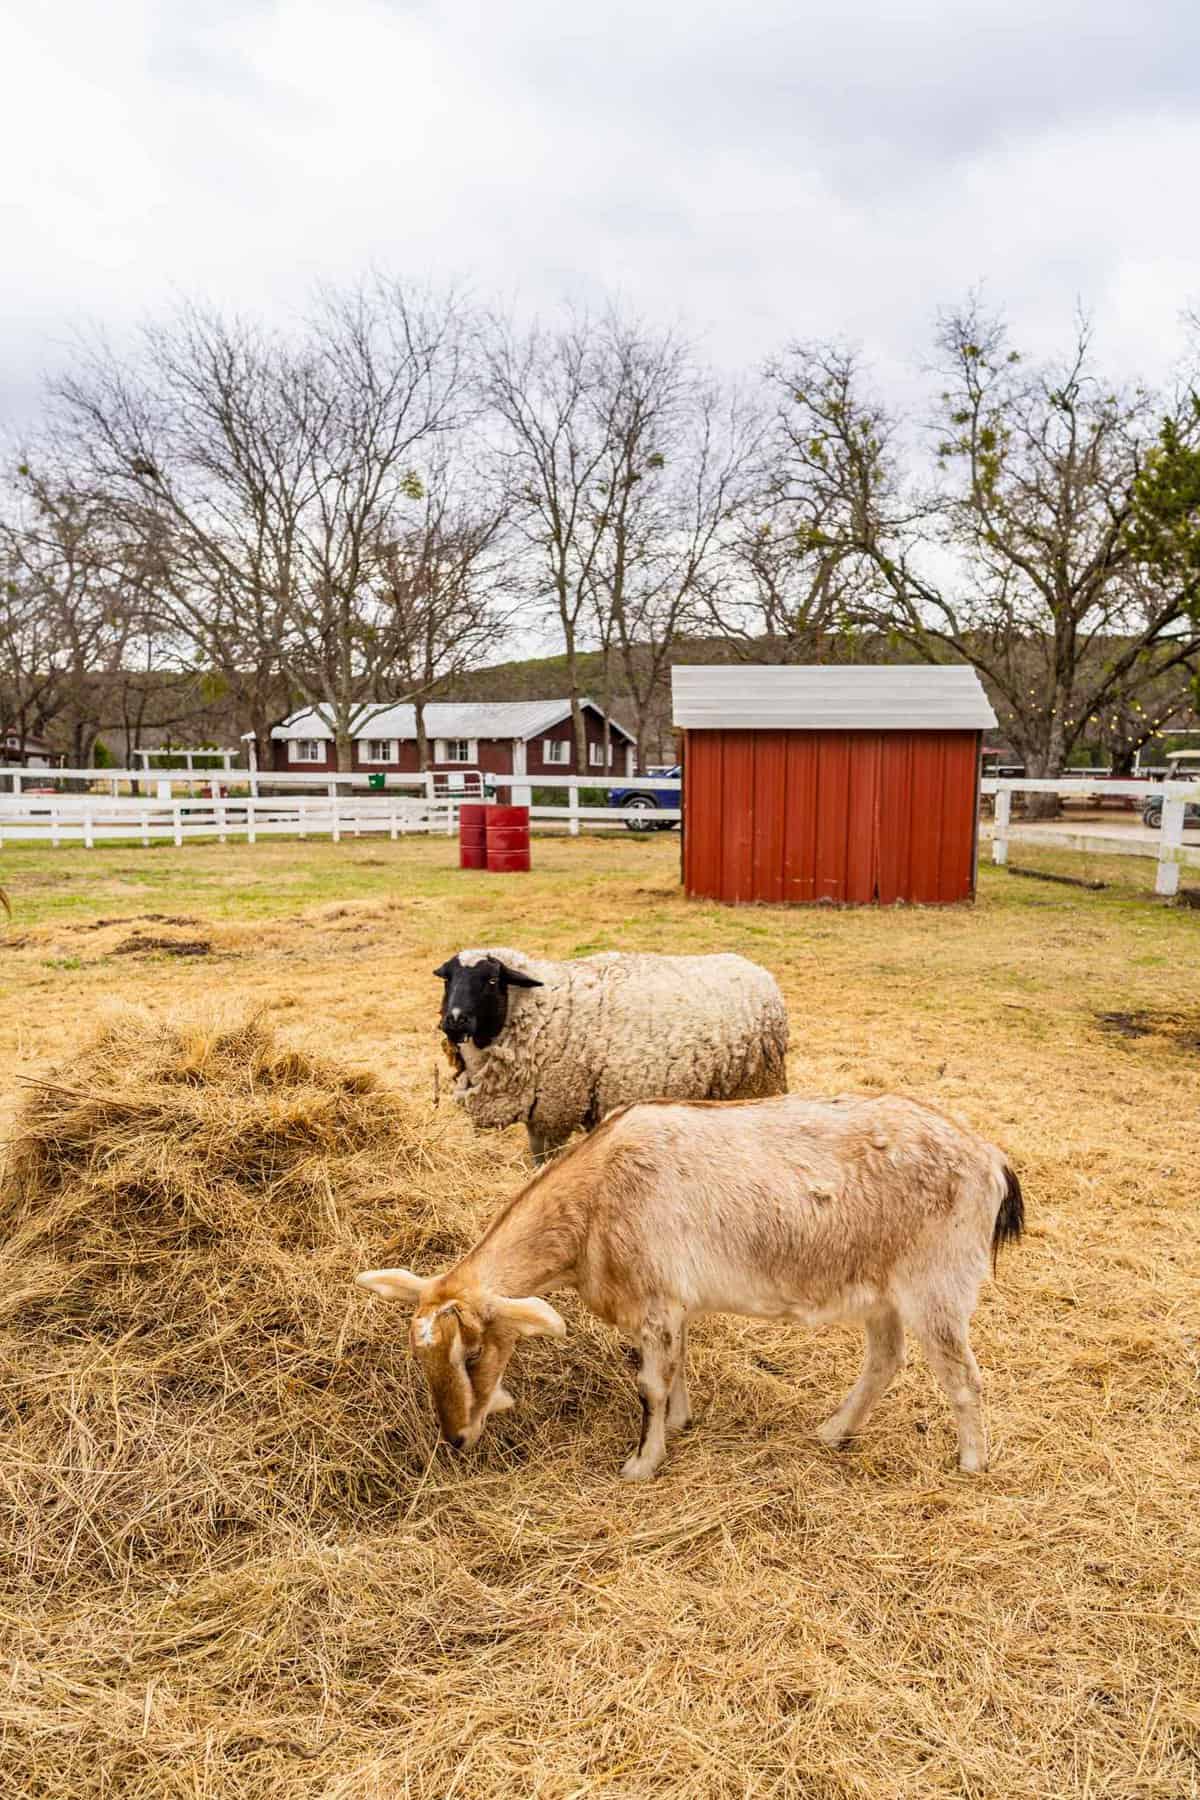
[234,1563]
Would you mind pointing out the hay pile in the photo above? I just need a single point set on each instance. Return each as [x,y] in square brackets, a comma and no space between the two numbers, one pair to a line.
[201,1408]
[234,1564]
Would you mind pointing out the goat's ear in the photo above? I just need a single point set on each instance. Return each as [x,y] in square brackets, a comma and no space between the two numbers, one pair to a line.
[532,1317]
[514,978]
[394,1284]
[446,970]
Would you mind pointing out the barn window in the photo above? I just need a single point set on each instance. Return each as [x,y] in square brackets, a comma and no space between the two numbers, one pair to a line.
[556,750]
[596,755]
[381,750]
[457,750]
[306,750]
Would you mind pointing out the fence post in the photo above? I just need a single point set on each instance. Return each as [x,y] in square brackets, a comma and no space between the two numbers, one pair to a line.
[250,833]
[89,836]
[573,808]
[1000,826]
[16,784]
[54,826]
[335,818]
[1166,878]
[177,821]
[145,828]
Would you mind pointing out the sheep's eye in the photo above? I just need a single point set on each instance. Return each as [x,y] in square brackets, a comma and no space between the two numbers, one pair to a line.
[472,1357]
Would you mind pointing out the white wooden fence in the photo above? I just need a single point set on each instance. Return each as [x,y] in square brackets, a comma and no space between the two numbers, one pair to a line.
[311,805]
[1172,853]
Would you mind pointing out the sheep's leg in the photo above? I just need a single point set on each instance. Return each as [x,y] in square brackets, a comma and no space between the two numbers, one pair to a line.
[948,1352]
[679,1407]
[660,1338]
[884,1358]
[542,1144]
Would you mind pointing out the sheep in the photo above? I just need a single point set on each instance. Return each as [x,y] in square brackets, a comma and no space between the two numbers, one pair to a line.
[880,1212]
[556,1045]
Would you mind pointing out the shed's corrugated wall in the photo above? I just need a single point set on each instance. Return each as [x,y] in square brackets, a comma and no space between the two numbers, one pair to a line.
[849,816]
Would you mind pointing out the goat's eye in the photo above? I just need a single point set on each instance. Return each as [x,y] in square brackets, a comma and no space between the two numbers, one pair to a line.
[472,1357]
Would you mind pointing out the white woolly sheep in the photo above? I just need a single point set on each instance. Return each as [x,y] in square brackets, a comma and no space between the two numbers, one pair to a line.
[557,1045]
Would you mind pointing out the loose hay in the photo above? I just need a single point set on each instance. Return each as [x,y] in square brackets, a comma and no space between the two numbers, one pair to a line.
[236,1567]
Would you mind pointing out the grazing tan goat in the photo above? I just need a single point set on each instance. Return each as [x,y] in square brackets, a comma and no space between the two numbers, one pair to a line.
[878,1212]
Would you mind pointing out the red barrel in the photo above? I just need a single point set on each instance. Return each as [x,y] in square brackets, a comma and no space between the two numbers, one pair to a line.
[472,836]
[507,839]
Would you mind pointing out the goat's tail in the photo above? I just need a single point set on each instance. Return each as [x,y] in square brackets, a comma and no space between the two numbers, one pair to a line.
[1010,1219]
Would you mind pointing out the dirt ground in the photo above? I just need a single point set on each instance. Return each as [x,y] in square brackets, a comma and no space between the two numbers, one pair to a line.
[767,1618]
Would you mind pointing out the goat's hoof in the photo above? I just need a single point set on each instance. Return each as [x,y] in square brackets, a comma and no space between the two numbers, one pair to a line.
[635,1468]
[832,1434]
[972,1465]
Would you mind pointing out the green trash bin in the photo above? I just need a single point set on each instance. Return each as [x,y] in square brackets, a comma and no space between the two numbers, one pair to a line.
[377,779]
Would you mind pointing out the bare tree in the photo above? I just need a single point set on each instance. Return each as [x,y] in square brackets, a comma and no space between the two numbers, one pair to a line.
[672,478]
[1029,517]
[544,390]
[445,582]
[76,594]
[793,582]
[260,470]
[386,381]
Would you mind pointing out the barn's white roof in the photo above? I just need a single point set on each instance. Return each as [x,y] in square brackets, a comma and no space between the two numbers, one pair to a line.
[444,719]
[815,697]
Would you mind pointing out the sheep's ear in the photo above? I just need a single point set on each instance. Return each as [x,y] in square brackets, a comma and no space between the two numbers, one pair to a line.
[514,978]
[394,1284]
[532,1317]
[446,970]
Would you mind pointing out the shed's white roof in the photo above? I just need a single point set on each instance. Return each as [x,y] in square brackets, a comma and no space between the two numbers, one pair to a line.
[816,697]
[444,719]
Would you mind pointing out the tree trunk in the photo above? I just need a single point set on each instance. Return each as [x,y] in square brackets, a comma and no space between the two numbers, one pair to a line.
[1047,760]
[422,739]
[606,704]
[577,729]
[344,744]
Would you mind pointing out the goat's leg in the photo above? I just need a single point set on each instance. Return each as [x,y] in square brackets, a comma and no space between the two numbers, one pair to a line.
[883,1360]
[659,1338]
[948,1352]
[679,1407]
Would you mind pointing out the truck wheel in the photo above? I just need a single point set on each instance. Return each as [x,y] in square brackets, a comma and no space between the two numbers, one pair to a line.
[1153,818]
[639,806]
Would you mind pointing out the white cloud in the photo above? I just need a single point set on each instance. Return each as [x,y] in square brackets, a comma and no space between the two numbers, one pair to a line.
[762,172]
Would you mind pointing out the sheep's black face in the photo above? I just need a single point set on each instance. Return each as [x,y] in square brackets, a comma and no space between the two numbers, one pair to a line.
[475,1001]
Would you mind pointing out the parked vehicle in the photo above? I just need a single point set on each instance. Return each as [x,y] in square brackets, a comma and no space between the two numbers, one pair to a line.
[641,804]
[1184,765]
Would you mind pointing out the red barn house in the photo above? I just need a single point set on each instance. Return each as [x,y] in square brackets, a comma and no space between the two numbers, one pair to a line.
[499,737]
[852,785]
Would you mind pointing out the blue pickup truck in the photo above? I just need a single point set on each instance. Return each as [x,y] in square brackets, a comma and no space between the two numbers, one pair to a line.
[641,804]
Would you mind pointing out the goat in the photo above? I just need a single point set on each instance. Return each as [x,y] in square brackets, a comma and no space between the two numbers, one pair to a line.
[879,1212]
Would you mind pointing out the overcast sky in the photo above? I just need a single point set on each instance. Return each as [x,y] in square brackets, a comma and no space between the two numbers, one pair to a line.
[773,169]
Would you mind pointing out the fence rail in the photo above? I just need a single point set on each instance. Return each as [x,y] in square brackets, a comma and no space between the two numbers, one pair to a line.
[1173,853]
[310,804]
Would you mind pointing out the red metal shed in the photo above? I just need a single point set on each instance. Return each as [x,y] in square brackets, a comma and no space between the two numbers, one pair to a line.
[842,784]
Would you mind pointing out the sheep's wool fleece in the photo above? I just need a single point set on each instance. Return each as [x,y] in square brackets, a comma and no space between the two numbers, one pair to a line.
[607,1030]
